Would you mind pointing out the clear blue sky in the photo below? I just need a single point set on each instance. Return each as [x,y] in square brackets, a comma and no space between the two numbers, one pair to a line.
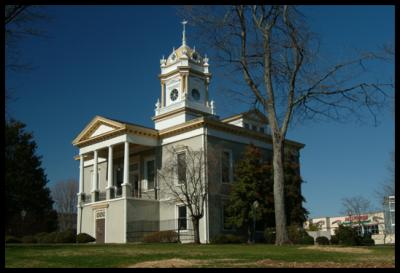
[104,60]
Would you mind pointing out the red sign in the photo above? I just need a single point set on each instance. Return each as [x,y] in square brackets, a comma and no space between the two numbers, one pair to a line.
[357,218]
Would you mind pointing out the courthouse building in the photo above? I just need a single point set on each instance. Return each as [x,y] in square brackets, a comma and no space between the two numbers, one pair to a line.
[121,197]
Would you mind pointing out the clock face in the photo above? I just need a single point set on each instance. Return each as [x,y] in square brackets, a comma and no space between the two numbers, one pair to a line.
[174,95]
[195,94]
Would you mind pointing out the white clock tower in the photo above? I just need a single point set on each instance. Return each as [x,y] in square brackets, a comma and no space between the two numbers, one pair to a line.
[184,87]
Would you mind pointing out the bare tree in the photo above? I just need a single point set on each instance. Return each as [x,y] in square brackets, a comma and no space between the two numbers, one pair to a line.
[276,54]
[387,187]
[354,207]
[64,194]
[182,177]
[19,25]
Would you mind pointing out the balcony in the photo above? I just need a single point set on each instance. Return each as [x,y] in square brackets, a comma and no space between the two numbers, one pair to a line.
[101,196]
[87,198]
[118,192]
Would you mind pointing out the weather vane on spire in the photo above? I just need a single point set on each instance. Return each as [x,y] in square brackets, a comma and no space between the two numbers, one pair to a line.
[184,22]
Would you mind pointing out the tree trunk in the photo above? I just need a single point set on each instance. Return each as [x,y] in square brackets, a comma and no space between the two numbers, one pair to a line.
[279,198]
[196,230]
[248,234]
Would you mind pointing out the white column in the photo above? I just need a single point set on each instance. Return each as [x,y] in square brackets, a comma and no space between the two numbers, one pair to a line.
[95,186]
[110,167]
[81,169]
[126,187]
[95,189]
[110,184]
[162,94]
[80,194]
[126,164]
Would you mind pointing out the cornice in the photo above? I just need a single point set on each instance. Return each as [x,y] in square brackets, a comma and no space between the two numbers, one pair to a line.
[176,112]
[101,137]
[90,127]
[180,128]
[186,69]
[142,131]
[216,124]
[128,129]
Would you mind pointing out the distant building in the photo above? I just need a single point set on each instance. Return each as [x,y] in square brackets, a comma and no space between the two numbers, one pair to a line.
[374,223]
[389,211]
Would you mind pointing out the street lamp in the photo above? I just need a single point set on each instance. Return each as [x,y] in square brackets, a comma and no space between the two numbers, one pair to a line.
[255,206]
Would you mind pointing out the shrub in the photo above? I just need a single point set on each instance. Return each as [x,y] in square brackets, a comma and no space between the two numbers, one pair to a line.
[29,240]
[48,238]
[39,236]
[227,239]
[322,240]
[269,235]
[367,240]
[67,236]
[305,240]
[334,240]
[347,236]
[12,240]
[83,238]
[165,236]
[313,227]
[299,236]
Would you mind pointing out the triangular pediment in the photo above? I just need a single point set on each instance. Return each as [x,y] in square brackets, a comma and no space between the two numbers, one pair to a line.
[97,127]
[255,115]
[101,129]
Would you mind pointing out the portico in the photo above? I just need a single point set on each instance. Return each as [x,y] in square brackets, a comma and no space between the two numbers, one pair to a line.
[120,174]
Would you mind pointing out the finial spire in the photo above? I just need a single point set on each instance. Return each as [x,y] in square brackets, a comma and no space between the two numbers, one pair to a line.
[184,22]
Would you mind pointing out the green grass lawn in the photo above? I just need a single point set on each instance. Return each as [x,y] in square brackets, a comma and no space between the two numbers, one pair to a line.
[188,255]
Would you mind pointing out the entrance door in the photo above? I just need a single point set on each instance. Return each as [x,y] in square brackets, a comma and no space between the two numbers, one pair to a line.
[100,227]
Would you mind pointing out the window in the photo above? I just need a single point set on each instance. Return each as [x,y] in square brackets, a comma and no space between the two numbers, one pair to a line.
[262,129]
[182,218]
[226,167]
[373,229]
[195,94]
[247,126]
[150,174]
[253,127]
[181,168]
